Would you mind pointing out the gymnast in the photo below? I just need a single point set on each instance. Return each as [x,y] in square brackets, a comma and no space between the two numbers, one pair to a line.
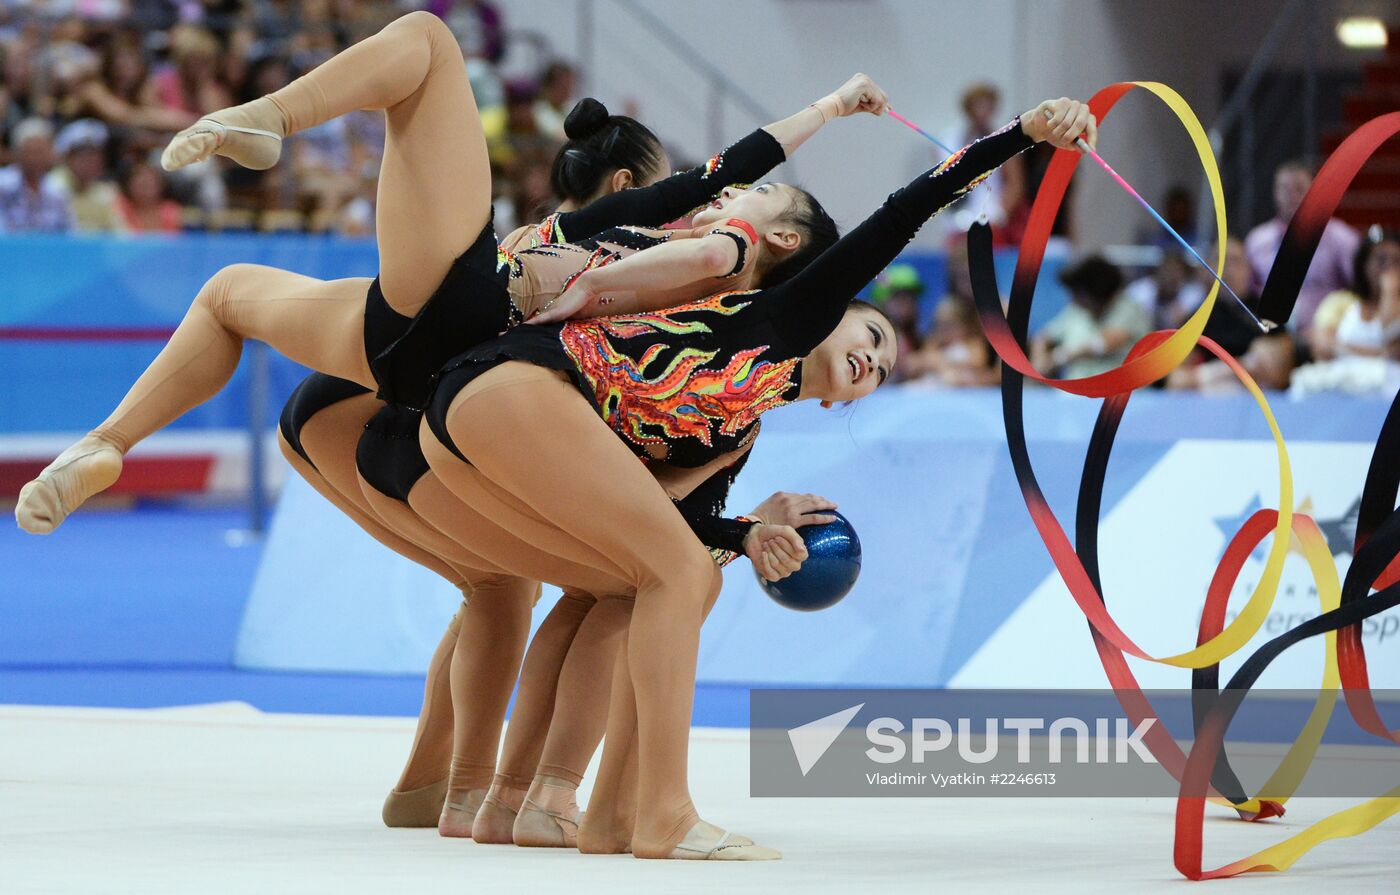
[580,625]
[389,468]
[594,163]
[442,273]
[604,154]
[548,420]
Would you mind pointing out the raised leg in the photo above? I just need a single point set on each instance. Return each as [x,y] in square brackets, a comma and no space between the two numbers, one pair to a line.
[435,179]
[319,323]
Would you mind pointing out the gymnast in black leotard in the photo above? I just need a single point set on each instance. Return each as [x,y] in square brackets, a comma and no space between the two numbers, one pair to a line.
[390,463]
[684,385]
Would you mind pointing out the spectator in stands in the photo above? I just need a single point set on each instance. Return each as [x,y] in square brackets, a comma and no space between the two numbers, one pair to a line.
[27,200]
[356,217]
[321,166]
[558,84]
[1179,209]
[1332,265]
[191,85]
[1170,293]
[1229,325]
[96,61]
[1390,325]
[1348,322]
[17,88]
[1095,330]
[241,50]
[1002,197]
[520,130]
[531,193]
[82,178]
[955,351]
[1233,330]
[144,207]
[315,36]
[1270,358]
[478,27]
[273,188]
[119,91]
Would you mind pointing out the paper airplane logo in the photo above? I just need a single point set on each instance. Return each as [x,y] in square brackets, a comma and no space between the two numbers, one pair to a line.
[811,740]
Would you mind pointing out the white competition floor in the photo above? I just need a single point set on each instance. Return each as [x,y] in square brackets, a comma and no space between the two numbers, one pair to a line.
[225,799]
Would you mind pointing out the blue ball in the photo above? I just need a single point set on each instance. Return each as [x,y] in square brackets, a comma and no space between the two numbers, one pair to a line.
[829,573]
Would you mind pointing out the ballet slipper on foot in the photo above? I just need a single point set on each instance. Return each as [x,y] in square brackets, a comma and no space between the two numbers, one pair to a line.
[707,842]
[250,135]
[459,813]
[495,822]
[420,807]
[84,469]
[539,827]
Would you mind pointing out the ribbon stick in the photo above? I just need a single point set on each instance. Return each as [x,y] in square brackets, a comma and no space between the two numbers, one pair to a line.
[918,130]
[1264,325]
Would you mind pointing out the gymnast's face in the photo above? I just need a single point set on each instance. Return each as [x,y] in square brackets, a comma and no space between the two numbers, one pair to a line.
[764,205]
[854,360]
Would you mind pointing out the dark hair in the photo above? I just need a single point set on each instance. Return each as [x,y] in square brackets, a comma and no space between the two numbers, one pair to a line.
[819,233]
[600,144]
[113,48]
[135,168]
[1361,284]
[555,70]
[1094,277]
[863,305]
[1296,164]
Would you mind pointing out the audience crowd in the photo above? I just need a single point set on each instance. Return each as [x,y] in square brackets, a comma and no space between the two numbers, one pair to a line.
[1344,334]
[90,91]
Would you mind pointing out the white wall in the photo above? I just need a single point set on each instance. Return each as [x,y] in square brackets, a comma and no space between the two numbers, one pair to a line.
[790,52]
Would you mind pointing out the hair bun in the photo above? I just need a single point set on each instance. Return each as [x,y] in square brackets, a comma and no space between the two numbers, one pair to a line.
[586,118]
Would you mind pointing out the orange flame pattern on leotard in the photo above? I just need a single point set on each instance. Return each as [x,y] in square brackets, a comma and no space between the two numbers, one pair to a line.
[652,399]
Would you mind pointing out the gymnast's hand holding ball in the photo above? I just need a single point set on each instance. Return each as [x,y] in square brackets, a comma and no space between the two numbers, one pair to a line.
[827,539]
[776,551]
[774,546]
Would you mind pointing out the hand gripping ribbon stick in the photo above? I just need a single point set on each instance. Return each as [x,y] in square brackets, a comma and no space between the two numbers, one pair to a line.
[1264,325]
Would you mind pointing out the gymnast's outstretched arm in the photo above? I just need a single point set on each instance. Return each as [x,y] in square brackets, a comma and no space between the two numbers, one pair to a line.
[746,161]
[811,304]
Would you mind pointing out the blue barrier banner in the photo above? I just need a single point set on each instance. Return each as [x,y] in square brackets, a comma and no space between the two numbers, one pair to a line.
[149,280]
[955,588]
[136,282]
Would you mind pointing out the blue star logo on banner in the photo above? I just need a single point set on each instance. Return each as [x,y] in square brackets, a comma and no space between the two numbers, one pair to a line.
[1229,525]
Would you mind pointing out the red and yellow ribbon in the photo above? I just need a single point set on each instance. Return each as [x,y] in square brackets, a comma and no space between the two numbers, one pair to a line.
[1344,606]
